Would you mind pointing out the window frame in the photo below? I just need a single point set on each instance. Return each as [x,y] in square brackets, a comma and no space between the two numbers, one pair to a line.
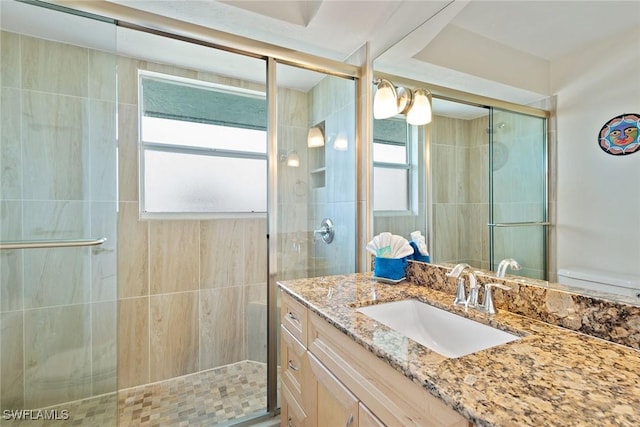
[408,166]
[144,146]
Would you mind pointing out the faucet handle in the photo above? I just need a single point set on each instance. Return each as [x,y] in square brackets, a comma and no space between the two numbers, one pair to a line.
[461,298]
[487,304]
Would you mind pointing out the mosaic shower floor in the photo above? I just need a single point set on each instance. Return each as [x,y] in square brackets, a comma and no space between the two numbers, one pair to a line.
[203,399]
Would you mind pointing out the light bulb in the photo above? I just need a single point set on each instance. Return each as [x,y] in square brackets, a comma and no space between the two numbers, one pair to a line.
[420,112]
[385,101]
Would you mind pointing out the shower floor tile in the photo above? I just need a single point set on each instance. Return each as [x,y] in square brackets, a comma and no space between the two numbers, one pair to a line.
[203,399]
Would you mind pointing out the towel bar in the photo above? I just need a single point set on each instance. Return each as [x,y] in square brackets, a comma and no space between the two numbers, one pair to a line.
[32,244]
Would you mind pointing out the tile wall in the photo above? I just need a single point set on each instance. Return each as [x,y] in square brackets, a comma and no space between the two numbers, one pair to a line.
[191,293]
[58,174]
[294,240]
[460,193]
[460,153]
[332,101]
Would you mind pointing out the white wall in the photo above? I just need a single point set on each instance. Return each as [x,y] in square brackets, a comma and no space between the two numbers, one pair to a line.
[598,217]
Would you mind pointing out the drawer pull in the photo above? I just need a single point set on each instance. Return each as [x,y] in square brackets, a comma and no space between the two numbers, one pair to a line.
[292,366]
[293,317]
[289,422]
[349,421]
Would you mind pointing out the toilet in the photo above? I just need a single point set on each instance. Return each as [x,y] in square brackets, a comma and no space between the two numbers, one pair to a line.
[600,280]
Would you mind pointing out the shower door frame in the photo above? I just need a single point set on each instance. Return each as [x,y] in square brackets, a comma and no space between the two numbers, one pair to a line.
[191,33]
[544,222]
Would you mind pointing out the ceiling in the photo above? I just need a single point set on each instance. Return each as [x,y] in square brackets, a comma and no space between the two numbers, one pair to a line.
[500,49]
[427,40]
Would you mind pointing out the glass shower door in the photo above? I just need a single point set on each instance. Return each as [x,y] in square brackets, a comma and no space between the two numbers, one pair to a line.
[58,195]
[315,181]
[518,191]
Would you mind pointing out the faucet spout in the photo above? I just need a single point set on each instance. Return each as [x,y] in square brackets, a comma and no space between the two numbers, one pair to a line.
[461,297]
[458,269]
[504,264]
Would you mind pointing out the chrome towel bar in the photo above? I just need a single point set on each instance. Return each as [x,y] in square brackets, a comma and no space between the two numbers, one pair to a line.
[32,244]
[518,224]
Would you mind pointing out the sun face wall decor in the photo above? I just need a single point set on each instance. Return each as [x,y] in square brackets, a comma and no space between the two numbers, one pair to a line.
[621,135]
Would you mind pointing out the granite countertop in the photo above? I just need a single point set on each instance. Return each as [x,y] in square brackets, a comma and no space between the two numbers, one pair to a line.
[549,377]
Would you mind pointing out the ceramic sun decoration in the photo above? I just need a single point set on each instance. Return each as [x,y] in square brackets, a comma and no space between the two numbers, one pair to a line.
[621,135]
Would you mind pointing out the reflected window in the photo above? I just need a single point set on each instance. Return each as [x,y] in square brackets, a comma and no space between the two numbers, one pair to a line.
[391,166]
[203,147]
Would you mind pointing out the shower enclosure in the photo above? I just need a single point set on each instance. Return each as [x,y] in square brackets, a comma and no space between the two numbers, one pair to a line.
[489,187]
[171,305]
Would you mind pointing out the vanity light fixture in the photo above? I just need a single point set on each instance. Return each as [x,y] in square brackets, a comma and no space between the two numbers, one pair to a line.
[420,111]
[315,136]
[385,101]
[390,100]
[291,158]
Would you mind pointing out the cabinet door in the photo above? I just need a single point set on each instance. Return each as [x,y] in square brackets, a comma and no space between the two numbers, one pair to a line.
[367,419]
[335,405]
[291,413]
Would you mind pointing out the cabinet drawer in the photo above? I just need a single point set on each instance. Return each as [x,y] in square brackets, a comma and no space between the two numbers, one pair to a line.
[293,316]
[292,357]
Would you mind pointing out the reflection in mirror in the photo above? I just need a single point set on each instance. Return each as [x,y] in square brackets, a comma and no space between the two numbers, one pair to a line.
[399,191]
[460,187]
[489,187]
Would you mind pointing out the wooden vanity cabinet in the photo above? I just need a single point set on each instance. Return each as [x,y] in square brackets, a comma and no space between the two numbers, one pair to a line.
[340,383]
[366,418]
[334,405]
[295,372]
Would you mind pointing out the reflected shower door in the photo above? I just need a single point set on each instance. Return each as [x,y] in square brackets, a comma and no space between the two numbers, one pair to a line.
[518,191]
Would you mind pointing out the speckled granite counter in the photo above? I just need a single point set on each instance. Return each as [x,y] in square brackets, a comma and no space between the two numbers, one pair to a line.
[549,377]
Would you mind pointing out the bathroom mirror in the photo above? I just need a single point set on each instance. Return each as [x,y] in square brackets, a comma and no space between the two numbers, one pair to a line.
[590,215]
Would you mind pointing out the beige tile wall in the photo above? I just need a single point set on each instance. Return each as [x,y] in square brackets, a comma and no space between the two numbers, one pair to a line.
[332,100]
[187,288]
[57,146]
[183,287]
[460,190]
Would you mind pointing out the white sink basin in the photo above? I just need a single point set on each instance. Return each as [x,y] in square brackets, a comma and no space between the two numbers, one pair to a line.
[445,333]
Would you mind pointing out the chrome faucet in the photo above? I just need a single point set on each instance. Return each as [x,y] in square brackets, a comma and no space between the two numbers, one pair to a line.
[504,264]
[461,298]
[487,303]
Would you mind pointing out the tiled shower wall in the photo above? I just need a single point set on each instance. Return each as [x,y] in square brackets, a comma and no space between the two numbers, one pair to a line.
[460,190]
[332,101]
[293,186]
[58,175]
[191,293]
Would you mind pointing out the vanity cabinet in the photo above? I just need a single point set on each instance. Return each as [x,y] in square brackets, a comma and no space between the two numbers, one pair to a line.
[334,405]
[328,380]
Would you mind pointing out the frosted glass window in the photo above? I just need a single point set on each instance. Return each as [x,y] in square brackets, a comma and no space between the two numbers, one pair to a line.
[389,153]
[177,182]
[190,134]
[203,147]
[391,166]
[390,190]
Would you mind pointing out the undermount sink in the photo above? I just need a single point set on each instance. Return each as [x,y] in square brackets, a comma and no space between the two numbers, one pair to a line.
[441,331]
